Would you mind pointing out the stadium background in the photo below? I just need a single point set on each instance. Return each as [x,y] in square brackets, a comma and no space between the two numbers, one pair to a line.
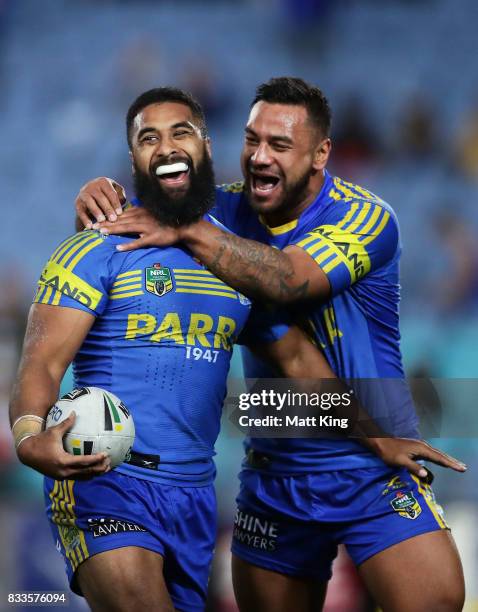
[402,80]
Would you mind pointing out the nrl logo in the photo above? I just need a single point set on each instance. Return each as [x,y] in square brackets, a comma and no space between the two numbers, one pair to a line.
[406,505]
[158,280]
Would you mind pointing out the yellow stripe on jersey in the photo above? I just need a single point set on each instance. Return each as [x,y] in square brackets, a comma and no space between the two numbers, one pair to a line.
[83,546]
[191,271]
[324,256]
[317,235]
[280,229]
[207,292]
[361,191]
[344,190]
[349,190]
[71,248]
[126,281]
[429,498]
[127,288]
[351,251]
[66,244]
[365,209]
[207,285]
[349,215]
[129,273]
[320,244]
[203,278]
[83,252]
[67,283]
[373,219]
[377,231]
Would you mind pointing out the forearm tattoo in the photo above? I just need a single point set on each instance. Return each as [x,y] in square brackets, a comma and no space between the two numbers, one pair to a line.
[255,269]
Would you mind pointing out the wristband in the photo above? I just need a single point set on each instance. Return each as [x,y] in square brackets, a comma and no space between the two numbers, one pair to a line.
[27,426]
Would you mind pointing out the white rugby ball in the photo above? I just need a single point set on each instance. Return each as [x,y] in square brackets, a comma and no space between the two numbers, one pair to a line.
[102,424]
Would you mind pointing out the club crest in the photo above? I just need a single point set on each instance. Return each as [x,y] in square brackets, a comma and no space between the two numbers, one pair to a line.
[158,280]
[406,505]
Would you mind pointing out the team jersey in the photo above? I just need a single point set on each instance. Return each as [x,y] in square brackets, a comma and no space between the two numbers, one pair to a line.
[353,236]
[161,341]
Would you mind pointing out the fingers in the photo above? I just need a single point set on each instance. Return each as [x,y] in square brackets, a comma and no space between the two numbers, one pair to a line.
[100,199]
[121,193]
[85,206]
[414,468]
[135,244]
[432,454]
[122,226]
[84,466]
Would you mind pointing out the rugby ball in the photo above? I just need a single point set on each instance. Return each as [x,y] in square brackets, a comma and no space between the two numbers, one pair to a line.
[102,424]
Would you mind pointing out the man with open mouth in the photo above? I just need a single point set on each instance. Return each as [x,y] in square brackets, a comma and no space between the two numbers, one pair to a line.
[335,260]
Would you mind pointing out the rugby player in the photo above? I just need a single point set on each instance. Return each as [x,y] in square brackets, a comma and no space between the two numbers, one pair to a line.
[141,536]
[336,253]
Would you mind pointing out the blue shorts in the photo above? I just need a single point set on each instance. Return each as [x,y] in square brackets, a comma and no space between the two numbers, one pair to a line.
[114,510]
[293,524]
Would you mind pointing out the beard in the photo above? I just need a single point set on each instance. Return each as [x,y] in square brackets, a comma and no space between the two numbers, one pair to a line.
[293,193]
[177,210]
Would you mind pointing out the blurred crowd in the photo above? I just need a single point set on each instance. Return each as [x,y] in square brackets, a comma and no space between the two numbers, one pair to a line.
[405,125]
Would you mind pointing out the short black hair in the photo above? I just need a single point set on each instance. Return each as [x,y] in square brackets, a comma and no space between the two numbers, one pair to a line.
[160,95]
[297,92]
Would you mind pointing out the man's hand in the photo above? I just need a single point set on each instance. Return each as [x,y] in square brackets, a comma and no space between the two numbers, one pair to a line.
[405,452]
[98,200]
[137,220]
[44,452]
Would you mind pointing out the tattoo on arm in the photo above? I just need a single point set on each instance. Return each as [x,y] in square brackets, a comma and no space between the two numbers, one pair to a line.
[256,269]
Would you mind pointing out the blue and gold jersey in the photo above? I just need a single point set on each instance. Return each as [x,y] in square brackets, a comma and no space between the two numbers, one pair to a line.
[353,236]
[162,341]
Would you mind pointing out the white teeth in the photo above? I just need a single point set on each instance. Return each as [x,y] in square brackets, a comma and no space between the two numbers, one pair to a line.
[170,168]
[268,187]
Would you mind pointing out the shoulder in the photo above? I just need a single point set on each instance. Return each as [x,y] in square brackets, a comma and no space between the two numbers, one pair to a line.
[357,208]
[86,253]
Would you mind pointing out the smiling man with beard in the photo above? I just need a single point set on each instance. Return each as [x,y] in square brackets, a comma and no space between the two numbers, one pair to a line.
[169,184]
[156,328]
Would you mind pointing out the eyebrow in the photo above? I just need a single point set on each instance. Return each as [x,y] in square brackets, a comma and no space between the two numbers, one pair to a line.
[284,139]
[184,124]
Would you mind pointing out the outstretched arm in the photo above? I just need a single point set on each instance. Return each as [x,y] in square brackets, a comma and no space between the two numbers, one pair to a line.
[294,356]
[255,269]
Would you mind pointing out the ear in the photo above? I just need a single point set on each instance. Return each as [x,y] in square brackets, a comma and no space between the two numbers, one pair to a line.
[322,153]
[208,146]
[133,171]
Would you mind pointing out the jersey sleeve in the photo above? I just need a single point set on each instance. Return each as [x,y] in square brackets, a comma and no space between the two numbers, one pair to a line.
[359,238]
[77,275]
[265,325]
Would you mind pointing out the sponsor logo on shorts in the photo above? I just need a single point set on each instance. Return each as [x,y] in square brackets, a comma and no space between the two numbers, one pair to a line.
[255,531]
[406,505]
[109,526]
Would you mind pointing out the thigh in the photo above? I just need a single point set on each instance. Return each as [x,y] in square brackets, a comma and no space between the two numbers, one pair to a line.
[420,574]
[111,511]
[261,590]
[125,579]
